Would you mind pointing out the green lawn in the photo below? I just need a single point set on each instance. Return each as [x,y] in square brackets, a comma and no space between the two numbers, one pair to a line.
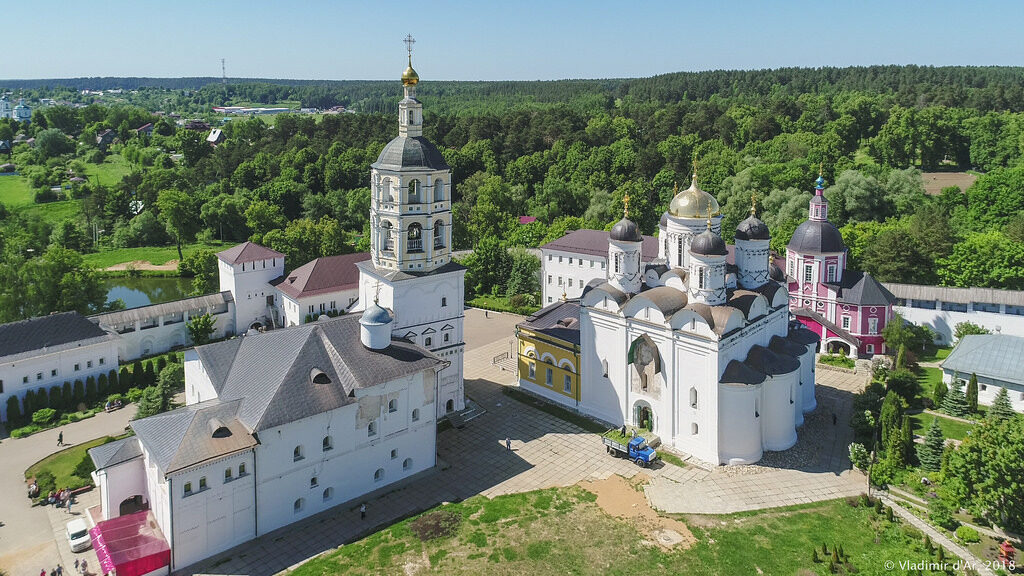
[15,192]
[54,212]
[110,173]
[928,377]
[155,255]
[563,531]
[950,428]
[62,464]
[500,304]
[939,355]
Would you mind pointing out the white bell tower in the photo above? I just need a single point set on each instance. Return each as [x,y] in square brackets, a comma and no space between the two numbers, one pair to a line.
[410,270]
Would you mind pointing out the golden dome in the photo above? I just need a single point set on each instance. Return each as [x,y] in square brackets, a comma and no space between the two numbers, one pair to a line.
[410,77]
[694,203]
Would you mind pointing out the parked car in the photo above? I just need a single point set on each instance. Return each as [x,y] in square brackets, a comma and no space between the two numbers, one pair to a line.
[78,535]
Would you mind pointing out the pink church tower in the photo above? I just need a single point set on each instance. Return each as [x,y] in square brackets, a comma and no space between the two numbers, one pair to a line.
[846,308]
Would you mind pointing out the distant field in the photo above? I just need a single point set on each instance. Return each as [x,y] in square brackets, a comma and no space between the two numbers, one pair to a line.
[15,192]
[934,182]
[155,255]
[54,212]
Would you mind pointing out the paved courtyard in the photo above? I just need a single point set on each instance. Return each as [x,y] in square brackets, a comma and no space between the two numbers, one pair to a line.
[546,451]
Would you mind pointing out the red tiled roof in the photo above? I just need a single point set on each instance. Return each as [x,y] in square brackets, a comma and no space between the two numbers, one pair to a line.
[323,275]
[248,252]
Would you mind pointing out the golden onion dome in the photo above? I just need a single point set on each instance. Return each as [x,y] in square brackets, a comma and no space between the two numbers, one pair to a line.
[410,77]
[693,203]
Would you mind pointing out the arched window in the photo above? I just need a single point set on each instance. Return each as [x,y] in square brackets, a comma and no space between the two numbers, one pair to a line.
[297,454]
[415,414]
[412,118]
[328,493]
[449,406]
[392,406]
[604,368]
[438,190]
[693,428]
[700,278]
[439,235]
[415,237]
[371,428]
[388,232]
[414,192]
[679,250]
[693,397]
[299,505]
[378,475]
[385,190]
[643,382]
[328,443]
[407,464]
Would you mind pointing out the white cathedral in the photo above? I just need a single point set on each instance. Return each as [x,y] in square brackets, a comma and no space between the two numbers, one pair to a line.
[696,346]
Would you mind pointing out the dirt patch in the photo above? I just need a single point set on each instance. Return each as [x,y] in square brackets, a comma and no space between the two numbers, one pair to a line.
[934,182]
[625,500]
[441,523]
[143,265]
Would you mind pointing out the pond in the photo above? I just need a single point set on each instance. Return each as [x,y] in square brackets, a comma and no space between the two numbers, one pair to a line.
[137,292]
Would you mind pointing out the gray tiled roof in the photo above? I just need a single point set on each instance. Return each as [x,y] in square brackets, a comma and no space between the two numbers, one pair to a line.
[956,295]
[399,275]
[184,437]
[411,153]
[116,452]
[737,372]
[862,289]
[832,327]
[248,252]
[996,356]
[595,243]
[270,371]
[46,332]
[552,320]
[771,363]
[200,303]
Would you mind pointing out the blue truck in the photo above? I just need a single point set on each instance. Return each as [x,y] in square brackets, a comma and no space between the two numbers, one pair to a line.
[637,450]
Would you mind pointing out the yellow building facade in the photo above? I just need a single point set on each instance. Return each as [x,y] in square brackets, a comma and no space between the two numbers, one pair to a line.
[549,353]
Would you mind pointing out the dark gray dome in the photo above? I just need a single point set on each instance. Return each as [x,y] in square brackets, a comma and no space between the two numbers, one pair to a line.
[664,220]
[753,229]
[709,244]
[415,153]
[375,315]
[626,230]
[817,237]
[775,273]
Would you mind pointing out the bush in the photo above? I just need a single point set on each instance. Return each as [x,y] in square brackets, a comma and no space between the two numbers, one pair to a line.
[859,456]
[904,383]
[133,394]
[46,482]
[43,416]
[940,514]
[115,397]
[13,411]
[25,431]
[90,389]
[840,360]
[967,534]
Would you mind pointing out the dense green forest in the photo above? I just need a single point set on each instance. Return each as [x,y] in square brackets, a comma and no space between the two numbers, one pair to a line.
[565,152]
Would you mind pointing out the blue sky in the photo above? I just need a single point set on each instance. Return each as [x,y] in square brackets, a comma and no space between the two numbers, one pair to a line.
[483,40]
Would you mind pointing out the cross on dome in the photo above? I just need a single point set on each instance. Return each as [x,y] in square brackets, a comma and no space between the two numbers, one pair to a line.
[625,206]
[409,41]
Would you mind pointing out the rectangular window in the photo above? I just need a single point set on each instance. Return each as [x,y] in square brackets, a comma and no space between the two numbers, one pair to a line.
[846,322]
[202,483]
[789,267]
[444,301]
[334,306]
[39,375]
[591,263]
[188,488]
[1,386]
[548,377]
[559,259]
[78,367]
[549,257]
[700,278]
[533,370]
[102,361]
[549,299]
[570,260]
[567,384]
[808,273]
[602,265]
[870,348]
[549,278]
[559,280]
[241,469]
[310,308]
[872,325]
[24,379]
[227,475]
[88,363]
[53,373]
[446,335]
[831,273]
[323,307]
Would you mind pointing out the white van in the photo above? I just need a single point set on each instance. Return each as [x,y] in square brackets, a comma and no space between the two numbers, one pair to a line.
[78,535]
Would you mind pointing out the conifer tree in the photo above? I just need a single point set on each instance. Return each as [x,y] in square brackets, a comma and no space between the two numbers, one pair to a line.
[901,357]
[972,394]
[907,439]
[1001,410]
[930,453]
[939,394]
[890,417]
[955,403]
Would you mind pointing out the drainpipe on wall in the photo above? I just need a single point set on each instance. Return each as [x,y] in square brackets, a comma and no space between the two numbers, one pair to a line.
[255,498]
[170,523]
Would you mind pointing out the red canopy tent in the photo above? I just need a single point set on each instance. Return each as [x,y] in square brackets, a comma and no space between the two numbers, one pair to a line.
[132,545]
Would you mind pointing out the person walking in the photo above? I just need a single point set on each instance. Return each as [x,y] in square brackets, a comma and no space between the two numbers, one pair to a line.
[42,572]
[60,570]
[69,504]
[362,511]
[508,444]
[76,564]
[60,438]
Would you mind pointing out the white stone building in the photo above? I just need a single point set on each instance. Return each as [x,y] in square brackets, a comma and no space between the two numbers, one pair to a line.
[995,359]
[47,351]
[328,285]
[570,262]
[695,348]
[941,308]
[246,271]
[410,270]
[277,426]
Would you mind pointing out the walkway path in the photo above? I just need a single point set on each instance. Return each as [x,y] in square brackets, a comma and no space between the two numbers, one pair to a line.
[939,538]
[27,537]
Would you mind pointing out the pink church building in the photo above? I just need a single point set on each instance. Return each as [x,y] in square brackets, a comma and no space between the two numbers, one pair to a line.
[846,308]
